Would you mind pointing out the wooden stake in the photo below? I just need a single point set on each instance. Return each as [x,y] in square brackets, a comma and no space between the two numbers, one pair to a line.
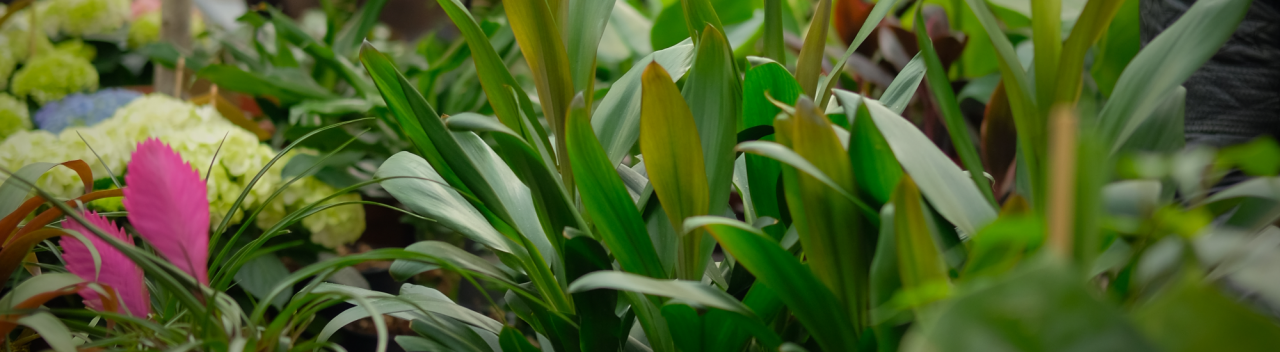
[178,73]
[175,28]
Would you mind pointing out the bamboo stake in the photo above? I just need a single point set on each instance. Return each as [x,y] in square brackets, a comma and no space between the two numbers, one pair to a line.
[1060,210]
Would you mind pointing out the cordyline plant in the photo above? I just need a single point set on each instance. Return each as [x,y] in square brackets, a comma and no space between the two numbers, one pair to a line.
[858,234]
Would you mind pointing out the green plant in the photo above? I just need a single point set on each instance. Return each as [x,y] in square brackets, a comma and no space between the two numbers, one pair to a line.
[852,253]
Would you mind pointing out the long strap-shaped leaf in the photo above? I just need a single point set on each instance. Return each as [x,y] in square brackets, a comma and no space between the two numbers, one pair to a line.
[495,79]
[586,24]
[673,159]
[539,37]
[812,53]
[1092,23]
[607,203]
[957,127]
[1165,63]
[617,117]
[1046,34]
[804,295]
[877,13]
[714,94]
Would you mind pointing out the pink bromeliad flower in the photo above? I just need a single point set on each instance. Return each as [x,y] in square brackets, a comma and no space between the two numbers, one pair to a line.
[167,204]
[117,271]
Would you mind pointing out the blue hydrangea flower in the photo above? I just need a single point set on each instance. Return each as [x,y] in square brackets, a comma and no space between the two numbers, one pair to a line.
[82,109]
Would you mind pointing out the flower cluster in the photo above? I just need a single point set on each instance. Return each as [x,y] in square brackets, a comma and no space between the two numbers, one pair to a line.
[81,17]
[49,77]
[196,133]
[13,115]
[82,109]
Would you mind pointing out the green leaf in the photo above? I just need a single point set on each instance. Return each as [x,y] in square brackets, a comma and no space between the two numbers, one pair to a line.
[425,192]
[513,341]
[600,328]
[886,280]
[919,259]
[687,327]
[954,196]
[714,94]
[1047,295]
[1116,48]
[1046,35]
[586,24]
[50,329]
[954,120]
[354,32]
[775,151]
[774,80]
[651,320]
[13,192]
[543,47]
[607,203]
[807,298]
[813,52]
[877,14]
[289,30]
[837,243]
[899,92]
[499,85]
[773,45]
[261,274]
[686,291]
[699,16]
[1091,25]
[1166,62]
[234,79]
[673,160]
[414,302]
[730,332]
[617,118]
[452,334]
[873,162]
[403,269]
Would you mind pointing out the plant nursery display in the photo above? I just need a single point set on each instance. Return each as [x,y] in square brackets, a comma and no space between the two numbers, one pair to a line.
[629,175]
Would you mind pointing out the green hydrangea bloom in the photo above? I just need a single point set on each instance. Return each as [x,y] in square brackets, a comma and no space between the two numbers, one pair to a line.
[146,29]
[81,17]
[78,48]
[195,132]
[50,77]
[17,43]
[14,116]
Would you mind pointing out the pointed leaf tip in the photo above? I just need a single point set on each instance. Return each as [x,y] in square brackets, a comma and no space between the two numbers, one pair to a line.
[117,271]
[172,210]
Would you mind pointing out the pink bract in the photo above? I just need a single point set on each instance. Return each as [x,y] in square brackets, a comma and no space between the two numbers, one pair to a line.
[117,271]
[168,204]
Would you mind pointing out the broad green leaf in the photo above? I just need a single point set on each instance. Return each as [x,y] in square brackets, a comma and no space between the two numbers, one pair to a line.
[403,269]
[548,193]
[607,204]
[1116,48]
[586,24]
[544,50]
[511,191]
[1048,295]
[730,332]
[1196,317]
[500,87]
[617,118]
[232,78]
[919,259]
[1166,62]
[426,193]
[1093,22]
[837,244]
[954,120]
[899,92]
[699,16]
[946,187]
[686,291]
[886,280]
[813,52]
[877,14]
[782,154]
[453,334]
[687,327]
[513,341]
[354,32]
[412,343]
[774,80]
[714,94]
[651,320]
[50,329]
[1000,247]
[600,328]
[807,298]
[260,275]
[413,302]
[13,192]
[873,162]
[673,160]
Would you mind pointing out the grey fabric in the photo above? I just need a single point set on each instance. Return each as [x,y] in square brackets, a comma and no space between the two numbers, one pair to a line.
[1235,97]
